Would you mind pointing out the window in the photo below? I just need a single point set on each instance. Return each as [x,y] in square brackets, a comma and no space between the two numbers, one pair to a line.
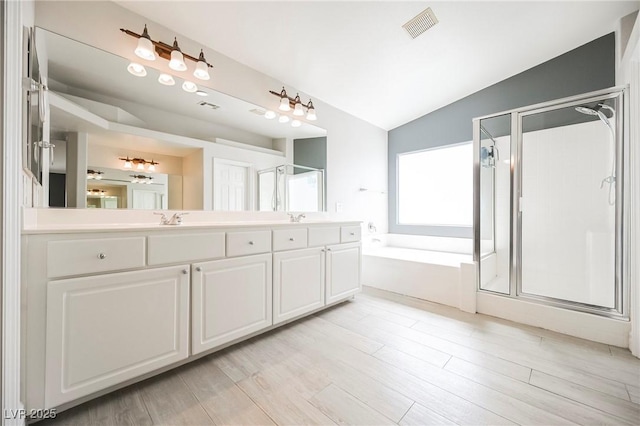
[435,187]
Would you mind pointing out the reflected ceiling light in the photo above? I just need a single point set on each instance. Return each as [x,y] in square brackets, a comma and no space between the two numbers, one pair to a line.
[202,93]
[145,46]
[137,69]
[202,68]
[148,48]
[166,79]
[189,86]
[283,119]
[269,115]
[141,179]
[311,112]
[296,123]
[284,101]
[297,109]
[287,103]
[177,59]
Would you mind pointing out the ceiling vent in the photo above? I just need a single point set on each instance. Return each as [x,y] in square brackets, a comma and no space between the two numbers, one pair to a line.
[208,104]
[257,111]
[421,23]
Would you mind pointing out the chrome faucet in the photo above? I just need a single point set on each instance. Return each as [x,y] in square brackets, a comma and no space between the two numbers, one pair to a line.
[294,218]
[176,219]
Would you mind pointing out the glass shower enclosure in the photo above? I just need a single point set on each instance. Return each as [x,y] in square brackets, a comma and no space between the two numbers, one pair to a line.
[549,207]
[291,188]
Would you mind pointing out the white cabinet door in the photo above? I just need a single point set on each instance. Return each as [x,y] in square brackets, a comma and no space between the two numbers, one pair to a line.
[231,299]
[298,283]
[343,271]
[105,329]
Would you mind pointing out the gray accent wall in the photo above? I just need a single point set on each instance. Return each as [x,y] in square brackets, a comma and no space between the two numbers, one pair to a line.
[310,152]
[587,68]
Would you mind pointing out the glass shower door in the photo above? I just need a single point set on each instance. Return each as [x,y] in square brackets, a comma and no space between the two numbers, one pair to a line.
[567,203]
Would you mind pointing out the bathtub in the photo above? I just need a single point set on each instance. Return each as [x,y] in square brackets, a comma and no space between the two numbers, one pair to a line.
[412,266]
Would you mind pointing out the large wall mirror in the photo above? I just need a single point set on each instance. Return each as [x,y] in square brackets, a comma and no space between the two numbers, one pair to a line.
[127,141]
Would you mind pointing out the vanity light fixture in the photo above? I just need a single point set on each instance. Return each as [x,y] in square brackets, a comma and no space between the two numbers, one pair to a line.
[287,103]
[189,86]
[140,164]
[142,179]
[100,192]
[145,46]
[166,80]
[137,69]
[94,174]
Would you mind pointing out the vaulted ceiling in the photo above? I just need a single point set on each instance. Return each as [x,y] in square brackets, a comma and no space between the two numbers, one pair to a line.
[357,57]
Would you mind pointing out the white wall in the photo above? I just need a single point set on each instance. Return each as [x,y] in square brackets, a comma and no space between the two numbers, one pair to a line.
[356,150]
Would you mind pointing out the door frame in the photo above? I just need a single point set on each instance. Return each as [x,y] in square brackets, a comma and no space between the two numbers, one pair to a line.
[10,206]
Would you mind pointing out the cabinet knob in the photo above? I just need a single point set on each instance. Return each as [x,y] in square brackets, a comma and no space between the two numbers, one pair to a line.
[199,269]
[328,249]
[250,243]
[185,272]
[352,233]
[102,256]
[291,239]
[322,250]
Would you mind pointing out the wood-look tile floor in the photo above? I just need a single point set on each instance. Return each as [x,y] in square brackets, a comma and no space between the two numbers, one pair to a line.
[386,359]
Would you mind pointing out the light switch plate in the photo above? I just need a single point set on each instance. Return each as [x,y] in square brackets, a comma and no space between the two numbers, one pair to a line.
[338,207]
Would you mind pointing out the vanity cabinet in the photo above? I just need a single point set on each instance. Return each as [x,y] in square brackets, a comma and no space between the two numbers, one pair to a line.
[231,298]
[104,308]
[343,271]
[104,329]
[298,283]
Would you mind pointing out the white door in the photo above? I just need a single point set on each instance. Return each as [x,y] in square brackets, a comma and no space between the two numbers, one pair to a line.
[343,271]
[231,298]
[298,283]
[105,329]
[230,186]
[147,200]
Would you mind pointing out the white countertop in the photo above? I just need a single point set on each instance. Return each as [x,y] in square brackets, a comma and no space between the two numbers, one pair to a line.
[57,221]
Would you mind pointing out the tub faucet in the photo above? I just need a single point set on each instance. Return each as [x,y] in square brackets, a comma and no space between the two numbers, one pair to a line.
[176,219]
[294,218]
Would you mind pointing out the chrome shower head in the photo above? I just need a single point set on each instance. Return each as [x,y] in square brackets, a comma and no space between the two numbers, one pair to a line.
[586,110]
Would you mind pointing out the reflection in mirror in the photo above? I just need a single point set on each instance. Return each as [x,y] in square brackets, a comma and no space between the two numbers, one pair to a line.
[291,187]
[208,145]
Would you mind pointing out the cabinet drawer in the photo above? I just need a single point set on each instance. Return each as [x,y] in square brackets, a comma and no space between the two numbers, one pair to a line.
[350,234]
[74,257]
[289,239]
[185,248]
[322,236]
[242,243]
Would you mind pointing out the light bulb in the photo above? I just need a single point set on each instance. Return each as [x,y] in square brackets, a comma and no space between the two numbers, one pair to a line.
[283,119]
[177,59]
[145,47]
[311,112]
[166,79]
[190,87]
[137,69]
[284,104]
[296,123]
[202,69]
[152,167]
[269,115]
[97,177]
[202,93]
[140,166]
[127,164]
[297,110]
[134,180]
